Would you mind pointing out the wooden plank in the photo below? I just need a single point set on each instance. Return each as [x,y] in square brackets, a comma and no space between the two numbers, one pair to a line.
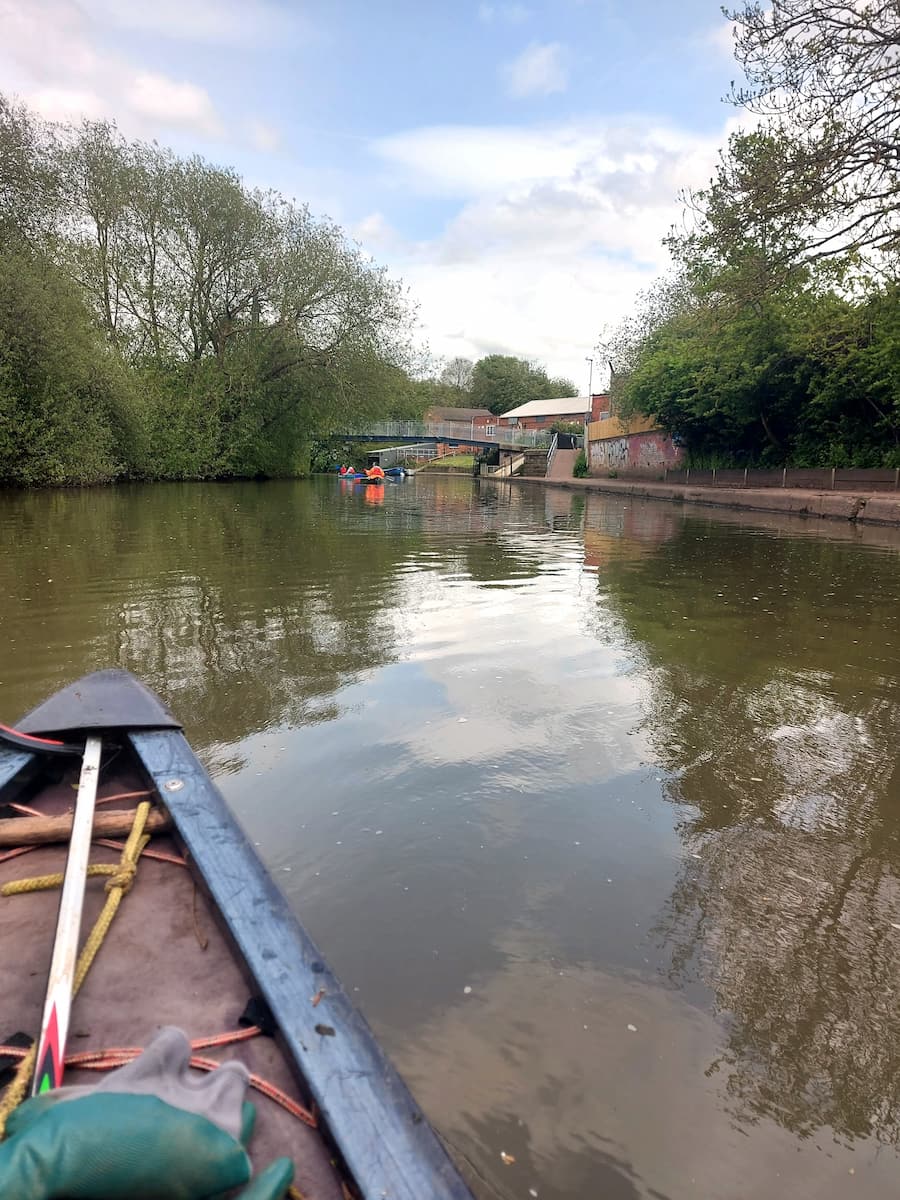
[34,831]
[48,1072]
[387,1143]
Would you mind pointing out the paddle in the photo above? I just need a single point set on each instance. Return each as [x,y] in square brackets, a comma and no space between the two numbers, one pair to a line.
[58,1003]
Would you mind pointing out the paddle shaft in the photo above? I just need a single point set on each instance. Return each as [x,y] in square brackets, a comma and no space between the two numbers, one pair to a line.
[58,1003]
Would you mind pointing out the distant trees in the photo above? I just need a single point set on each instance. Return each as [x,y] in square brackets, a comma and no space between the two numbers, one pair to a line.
[458,374]
[201,328]
[497,382]
[501,382]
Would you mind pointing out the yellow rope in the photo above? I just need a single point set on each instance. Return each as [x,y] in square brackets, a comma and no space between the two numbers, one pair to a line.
[121,878]
[40,883]
[15,1093]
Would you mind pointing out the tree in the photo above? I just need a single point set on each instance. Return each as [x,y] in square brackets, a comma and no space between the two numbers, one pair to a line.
[772,342]
[804,861]
[458,374]
[501,382]
[29,184]
[803,376]
[243,325]
[67,406]
[825,76]
[559,386]
[743,243]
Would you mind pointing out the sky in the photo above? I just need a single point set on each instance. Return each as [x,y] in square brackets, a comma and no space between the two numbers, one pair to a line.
[516,164]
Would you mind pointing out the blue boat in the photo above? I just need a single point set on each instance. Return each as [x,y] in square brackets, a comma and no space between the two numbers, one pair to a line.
[203,941]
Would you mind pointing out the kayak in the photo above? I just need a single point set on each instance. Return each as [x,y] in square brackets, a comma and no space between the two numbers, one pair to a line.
[357,478]
[203,941]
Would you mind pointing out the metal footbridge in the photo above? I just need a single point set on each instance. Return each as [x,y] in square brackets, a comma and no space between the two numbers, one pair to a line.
[449,433]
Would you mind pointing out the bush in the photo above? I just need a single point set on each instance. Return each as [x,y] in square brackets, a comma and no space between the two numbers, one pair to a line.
[580,470]
[67,405]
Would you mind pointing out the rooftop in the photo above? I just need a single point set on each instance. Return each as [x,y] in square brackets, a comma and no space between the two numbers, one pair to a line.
[562,406]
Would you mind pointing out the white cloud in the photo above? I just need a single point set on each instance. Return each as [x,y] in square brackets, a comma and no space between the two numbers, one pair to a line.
[53,56]
[374,230]
[509,14]
[549,310]
[213,22]
[168,102]
[558,227]
[538,71]
[719,39]
[262,136]
[67,104]
[461,160]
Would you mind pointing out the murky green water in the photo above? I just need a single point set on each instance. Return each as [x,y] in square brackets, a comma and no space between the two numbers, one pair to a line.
[595,806]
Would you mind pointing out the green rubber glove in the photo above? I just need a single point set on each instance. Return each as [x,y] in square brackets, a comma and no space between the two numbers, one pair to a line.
[110,1144]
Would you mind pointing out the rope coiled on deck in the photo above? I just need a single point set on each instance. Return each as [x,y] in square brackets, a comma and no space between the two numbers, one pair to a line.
[119,884]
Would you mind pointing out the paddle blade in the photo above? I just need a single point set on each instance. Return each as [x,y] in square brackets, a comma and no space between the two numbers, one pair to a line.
[58,1002]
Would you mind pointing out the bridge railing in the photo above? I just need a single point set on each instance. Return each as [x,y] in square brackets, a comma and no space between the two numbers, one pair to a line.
[396,454]
[551,453]
[504,470]
[455,431]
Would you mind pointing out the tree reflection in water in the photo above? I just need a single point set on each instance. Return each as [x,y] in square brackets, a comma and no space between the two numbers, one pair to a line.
[781,738]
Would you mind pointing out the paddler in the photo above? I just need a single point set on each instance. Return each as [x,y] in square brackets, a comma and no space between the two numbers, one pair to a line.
[375,472]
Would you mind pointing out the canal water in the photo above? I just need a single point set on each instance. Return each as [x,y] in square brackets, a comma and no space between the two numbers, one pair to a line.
[593,803]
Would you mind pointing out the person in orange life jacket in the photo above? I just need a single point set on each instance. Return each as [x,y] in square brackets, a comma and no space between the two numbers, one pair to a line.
[375,472]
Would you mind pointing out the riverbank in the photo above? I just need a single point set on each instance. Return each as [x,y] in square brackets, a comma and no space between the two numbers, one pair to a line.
[871,508]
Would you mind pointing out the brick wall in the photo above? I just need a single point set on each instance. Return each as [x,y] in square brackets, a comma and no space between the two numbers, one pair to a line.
[648,451]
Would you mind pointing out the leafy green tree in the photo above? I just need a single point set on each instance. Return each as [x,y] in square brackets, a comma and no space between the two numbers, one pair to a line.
[751,352]
[241,325]
[67,405]
[501,382]
[29,183]
[852,416]
[741,246]
[558,387]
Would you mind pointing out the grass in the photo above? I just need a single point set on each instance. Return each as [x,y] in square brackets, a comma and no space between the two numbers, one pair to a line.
[466,461]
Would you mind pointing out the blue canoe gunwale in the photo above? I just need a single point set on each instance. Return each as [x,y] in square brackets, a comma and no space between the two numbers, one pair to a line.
[381,1135]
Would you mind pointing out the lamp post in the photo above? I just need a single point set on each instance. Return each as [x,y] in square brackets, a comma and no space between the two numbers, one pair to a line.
[590,388]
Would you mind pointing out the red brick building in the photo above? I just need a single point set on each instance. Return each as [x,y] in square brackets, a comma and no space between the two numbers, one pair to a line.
[470,420]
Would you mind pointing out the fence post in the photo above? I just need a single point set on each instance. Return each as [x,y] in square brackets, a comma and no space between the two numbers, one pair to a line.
[784,476]
[665,474]
[714,476]
[896,479]
[832,478]
[687,476]
[745,476]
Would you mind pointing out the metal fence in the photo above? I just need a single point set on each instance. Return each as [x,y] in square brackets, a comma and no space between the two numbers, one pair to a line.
[397,454]
[825,479]
[454,431]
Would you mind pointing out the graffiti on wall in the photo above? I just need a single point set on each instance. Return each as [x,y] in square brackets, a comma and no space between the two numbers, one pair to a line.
[650,451]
